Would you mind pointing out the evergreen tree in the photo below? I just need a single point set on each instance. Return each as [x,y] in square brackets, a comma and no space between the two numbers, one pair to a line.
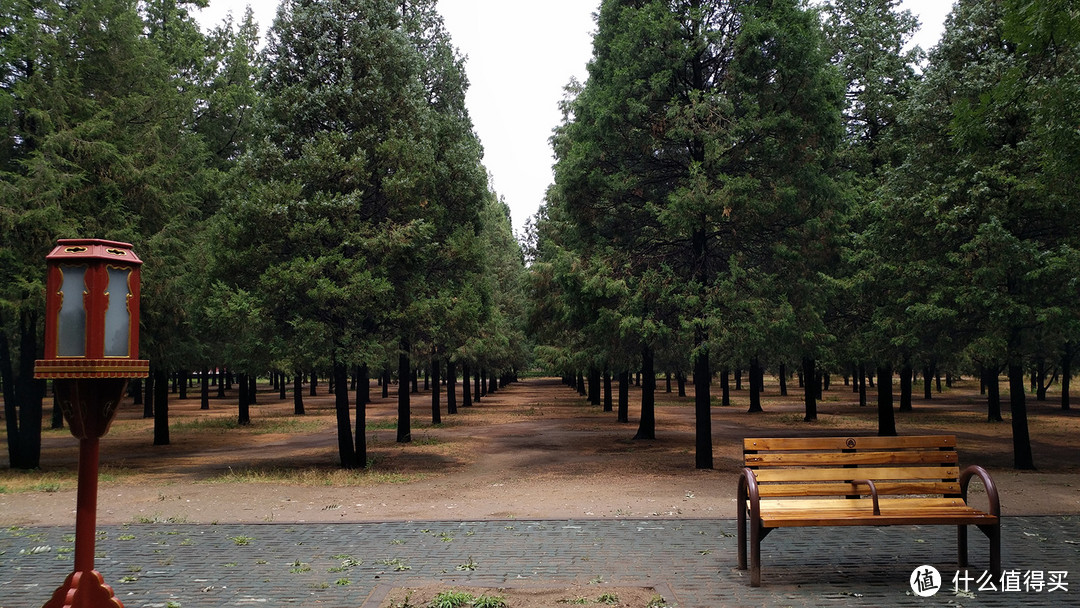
[700,144]
[96,144]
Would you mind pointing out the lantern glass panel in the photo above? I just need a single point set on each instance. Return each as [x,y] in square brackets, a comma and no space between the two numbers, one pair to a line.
[71,326]
[117,315]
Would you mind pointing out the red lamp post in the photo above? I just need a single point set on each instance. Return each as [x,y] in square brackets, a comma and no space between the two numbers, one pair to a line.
[91,350]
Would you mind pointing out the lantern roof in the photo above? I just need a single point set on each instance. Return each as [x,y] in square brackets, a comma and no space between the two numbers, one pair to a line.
[95,249]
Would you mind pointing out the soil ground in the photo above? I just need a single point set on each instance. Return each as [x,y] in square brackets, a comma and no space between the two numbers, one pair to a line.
[533,450]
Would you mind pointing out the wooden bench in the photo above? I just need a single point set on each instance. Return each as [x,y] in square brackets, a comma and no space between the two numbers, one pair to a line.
[822,481]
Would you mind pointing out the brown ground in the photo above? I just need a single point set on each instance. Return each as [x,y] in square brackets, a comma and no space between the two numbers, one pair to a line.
[532,450]
[527,597]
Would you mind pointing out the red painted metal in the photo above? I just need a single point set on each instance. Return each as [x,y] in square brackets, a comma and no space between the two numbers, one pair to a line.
[88,386]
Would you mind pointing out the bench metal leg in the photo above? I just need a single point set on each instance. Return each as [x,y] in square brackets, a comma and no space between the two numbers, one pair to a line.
[993,534]
[741,534]
[755,554]
[961,546]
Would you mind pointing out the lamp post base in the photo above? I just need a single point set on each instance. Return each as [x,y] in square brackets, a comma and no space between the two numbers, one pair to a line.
[85,589]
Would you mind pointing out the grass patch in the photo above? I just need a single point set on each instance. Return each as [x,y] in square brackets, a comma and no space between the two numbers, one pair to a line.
[258,426]
[13,481]
[313,477]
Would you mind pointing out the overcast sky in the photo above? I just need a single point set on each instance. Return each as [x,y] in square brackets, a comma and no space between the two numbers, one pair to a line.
[520,55]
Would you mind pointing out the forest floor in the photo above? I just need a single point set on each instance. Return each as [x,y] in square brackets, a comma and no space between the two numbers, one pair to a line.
[533,450]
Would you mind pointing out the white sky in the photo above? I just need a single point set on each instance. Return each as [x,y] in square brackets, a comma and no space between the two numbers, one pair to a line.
[520,55]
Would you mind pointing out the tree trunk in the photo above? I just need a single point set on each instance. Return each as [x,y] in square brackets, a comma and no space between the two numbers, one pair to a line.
[363,384]
[886,417]
[314,383]
[386,384]
[282,382]
[1066,375]
[647,424]
[182,380]
[451,387]
[680,379]
[1040,373]
[862,385]
[905,387]
[725,388]
[466,392]
[436,389]
[993,394]
[1022,456]
[404,425]
[624,396]
[204,389]
[703,451]
[244,415]
[252,388]
[810,392]
[667,381]
[346,448]
[783,380]
[755,391]
[478,390]
[161,407]
[594,386]
[928,382]
[23,396]
[607,391]
[298,393]
[221,383]
[581,385]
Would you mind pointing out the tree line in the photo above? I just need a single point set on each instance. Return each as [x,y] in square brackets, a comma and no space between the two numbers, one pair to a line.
[748,184]
[316,204]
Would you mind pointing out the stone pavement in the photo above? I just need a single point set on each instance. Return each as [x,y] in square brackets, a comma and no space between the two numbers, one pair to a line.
[690,561]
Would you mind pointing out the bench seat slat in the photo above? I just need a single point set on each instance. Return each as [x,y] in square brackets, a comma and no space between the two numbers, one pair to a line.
[842,443]
[849,504]
[787,459]
[844,489]
[871,473]
[865,518]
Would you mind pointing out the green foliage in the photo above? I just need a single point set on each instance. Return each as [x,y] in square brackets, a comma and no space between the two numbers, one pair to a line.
[489,601]
[451,599]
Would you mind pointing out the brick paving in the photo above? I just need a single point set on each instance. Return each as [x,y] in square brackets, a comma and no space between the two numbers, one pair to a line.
[691,561]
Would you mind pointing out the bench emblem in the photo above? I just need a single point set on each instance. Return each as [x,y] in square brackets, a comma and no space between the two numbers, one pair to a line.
[851,443]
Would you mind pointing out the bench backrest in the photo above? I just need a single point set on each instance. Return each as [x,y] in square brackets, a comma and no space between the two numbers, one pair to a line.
[826,466]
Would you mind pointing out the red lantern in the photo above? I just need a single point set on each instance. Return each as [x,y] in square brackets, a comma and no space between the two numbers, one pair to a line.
[91,350]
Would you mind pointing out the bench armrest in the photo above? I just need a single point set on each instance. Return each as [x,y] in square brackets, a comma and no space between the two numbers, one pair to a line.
[748,491]
[873,493]
[991,489]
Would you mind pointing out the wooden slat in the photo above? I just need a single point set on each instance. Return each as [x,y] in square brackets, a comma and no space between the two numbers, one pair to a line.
[778,459]
[860,512]
[867,518]
[859,504]
[871,473]
[844,489]
[845,443]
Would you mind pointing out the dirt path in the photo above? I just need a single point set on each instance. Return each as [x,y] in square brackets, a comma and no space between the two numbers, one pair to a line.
[532,450]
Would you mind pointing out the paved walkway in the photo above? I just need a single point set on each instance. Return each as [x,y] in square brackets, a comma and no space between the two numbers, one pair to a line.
[691,562]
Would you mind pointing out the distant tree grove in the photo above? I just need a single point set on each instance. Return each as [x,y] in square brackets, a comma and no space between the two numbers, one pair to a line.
[316,206]
[739,185]
[748,184]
